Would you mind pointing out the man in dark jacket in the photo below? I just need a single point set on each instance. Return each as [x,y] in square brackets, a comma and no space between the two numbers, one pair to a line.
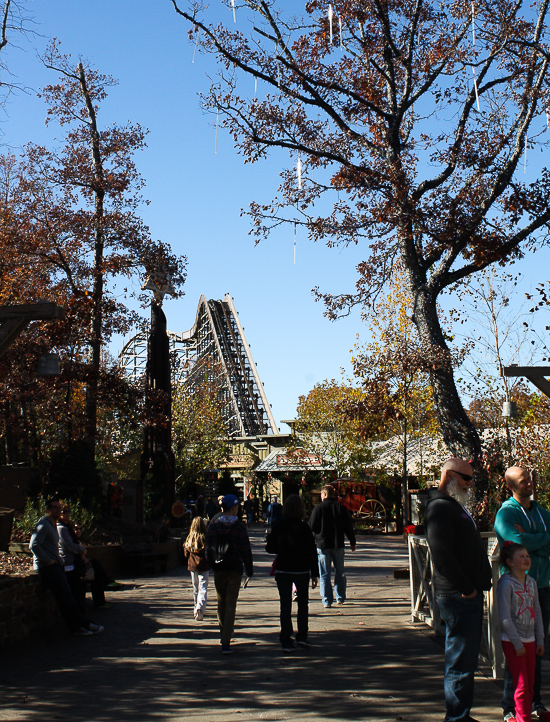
[228,552]
[461,574]
[330,521]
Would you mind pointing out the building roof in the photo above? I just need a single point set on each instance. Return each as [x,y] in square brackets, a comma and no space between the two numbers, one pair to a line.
[278,461]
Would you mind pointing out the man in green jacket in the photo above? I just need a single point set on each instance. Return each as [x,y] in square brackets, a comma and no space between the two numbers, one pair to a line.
[522,520]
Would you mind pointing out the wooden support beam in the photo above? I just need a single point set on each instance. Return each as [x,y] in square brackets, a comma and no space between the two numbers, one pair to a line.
[535,374]
[14,319]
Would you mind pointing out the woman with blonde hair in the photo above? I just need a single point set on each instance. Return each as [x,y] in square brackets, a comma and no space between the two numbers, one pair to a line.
[195,552]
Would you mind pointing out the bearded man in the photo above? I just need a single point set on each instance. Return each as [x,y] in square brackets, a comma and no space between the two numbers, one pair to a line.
[522,520]
[461,574]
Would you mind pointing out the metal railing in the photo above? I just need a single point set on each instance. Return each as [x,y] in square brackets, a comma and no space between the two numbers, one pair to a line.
[424,603]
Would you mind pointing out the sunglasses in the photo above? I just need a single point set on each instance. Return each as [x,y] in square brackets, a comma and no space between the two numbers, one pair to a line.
[466,477]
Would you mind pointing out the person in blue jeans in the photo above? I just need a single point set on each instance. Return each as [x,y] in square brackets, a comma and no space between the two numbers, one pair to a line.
[522,520]
[331,522]
[461,574]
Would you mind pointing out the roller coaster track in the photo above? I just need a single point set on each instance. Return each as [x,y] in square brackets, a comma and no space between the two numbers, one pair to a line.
[217,342]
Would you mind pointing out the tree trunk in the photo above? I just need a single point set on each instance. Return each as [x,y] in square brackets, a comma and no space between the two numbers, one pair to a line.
[459,434]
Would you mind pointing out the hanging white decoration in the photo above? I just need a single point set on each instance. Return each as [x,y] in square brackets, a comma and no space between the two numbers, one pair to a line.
[473,24]
[475,86]
[525,156]
[294,242]
[196,43]
[299,173]
[547,118]
[340,26]
[255,88]
[217,126]
[330,16]
[233,7]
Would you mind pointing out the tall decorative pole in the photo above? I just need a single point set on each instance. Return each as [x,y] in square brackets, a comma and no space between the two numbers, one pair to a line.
[157,459]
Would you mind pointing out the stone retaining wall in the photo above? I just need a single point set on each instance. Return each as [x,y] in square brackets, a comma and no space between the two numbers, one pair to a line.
[27,607]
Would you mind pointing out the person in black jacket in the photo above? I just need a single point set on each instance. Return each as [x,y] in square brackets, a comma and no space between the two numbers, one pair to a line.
[330,521]
[461,574]
[292,541]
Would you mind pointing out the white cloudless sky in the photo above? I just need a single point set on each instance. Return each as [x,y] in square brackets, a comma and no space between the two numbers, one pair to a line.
[196,194]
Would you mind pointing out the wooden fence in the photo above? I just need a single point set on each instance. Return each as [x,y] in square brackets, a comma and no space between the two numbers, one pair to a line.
[424,604]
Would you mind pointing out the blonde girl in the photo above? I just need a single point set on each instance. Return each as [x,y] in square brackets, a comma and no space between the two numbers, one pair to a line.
[194,550]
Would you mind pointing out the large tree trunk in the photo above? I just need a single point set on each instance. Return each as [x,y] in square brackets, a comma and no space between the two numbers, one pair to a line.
[459,434]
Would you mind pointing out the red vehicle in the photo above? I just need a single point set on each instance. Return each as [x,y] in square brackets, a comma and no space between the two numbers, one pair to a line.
[364,500]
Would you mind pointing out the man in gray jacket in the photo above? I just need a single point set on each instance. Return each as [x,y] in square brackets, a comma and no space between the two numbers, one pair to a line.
[44,545]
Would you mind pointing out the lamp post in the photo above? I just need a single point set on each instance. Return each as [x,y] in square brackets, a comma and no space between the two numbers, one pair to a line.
[157,458]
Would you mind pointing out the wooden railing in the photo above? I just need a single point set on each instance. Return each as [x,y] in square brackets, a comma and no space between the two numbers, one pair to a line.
[424,603]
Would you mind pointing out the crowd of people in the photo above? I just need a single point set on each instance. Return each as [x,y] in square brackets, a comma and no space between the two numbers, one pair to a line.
[305,552]
[462,574]
[62,564]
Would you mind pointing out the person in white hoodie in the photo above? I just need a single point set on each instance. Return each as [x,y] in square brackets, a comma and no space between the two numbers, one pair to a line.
[521,632]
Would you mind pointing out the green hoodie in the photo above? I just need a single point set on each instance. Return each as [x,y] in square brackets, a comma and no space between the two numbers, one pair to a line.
[535,523]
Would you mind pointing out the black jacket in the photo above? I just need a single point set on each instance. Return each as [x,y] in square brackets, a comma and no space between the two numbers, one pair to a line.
[292,541]
[329,521]
[228,545]
[459,556]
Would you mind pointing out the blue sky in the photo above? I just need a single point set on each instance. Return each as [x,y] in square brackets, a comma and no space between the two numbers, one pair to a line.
[196,194]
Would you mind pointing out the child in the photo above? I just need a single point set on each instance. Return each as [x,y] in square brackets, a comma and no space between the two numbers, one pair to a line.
[195,551]
[521,624]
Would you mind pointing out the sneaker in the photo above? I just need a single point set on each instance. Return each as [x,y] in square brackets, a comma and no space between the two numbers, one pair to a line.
[83,632]
[327,606]
[288,648]
[303,643]
[226,649]
[199,615]
[339,602]
[509,717]
[294,597]
[541,713]
[95,628]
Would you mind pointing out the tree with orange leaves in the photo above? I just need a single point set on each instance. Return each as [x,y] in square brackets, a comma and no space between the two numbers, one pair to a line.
[70,231]
[417,115]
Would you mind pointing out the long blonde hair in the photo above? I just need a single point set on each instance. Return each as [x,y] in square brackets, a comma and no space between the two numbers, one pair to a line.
[197,534]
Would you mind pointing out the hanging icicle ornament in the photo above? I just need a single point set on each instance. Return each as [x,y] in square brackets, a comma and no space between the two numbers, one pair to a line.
[340,27]
[473,25]
[547,117]
[196,43]
[233,8]
[299,173]
[294,242]
[475,86]
[330,18]
[525,156]
[255,88]
[217,126]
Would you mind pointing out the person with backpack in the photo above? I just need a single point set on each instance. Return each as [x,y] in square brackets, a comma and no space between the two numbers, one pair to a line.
[229,554]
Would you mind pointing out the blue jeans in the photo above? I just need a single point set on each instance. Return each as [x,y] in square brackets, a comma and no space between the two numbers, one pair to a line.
[326,557]
[508,693]
[284,585]
[463,626]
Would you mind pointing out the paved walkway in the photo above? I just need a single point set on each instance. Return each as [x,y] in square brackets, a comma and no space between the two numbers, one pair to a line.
[154,662]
